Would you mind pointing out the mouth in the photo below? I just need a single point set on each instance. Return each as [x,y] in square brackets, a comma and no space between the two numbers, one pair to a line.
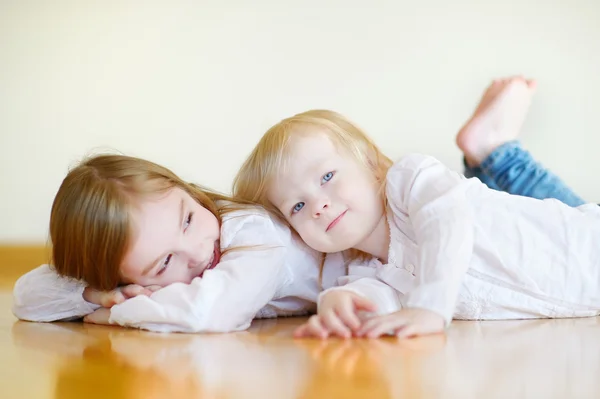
[336,221]
[214,259]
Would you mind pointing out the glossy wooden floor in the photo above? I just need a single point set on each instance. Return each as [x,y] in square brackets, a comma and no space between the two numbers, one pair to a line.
[524,359]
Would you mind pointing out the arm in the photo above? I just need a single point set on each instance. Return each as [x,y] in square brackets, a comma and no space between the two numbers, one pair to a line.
[226,298]
[434,198]
[42,295]
[362,281]
[342,309]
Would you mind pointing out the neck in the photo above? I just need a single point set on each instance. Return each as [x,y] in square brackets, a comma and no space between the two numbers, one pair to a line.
[377,243]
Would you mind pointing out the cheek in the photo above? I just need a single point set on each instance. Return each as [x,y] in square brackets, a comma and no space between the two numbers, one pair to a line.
[364,193]
[347,189]
[308,231]
[172,279]
[130,275]
[177,274]
[296,223]
[207,225]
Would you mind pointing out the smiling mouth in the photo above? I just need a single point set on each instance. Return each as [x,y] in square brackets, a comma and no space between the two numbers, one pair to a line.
[214,259]
[336,221]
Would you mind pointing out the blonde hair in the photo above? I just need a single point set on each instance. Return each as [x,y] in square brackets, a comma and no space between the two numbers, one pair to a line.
[90,221]
[270,154]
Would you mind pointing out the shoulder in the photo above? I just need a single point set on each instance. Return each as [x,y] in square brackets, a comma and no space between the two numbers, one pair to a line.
[411,164]
[403,174]
[417,179]
[253,225]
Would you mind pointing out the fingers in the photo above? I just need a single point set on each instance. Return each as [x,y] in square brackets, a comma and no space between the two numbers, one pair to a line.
[340,314]
[333,323]
[409,331]
[312,328]
[302,331]
[112,298]
[346,312]
[108,299]
[94,296]
[99,316]
[322,326]
[133,290]
[378,326]
[361,303]
[349,317]
[153,288]
[404,324]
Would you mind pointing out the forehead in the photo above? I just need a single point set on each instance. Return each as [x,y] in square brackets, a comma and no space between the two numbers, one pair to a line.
[154,220]
[153,208]
[306,158]
[307,152]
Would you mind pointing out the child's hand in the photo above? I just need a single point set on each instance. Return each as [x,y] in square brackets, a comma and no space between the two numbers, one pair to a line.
[108,299]
[337,315]
[404,323]
[99,316]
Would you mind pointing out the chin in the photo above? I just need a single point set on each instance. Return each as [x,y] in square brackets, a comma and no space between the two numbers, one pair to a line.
[331,249]
[328,247]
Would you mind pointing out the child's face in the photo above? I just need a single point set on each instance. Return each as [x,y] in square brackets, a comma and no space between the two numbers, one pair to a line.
[175,240]
[328,197]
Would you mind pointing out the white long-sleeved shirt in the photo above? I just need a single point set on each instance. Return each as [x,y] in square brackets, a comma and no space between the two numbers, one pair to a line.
[457,248]
[469,252]
[278,276]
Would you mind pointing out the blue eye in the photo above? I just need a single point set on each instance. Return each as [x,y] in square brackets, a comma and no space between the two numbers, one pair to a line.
[327,177]
[298,207]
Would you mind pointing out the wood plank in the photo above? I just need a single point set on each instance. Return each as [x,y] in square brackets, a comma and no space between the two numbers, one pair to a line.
[550,359]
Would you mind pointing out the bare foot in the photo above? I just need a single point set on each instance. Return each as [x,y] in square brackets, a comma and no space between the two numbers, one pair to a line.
[497,119]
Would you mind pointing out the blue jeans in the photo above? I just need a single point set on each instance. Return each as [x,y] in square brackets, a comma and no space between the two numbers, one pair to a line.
[512,169]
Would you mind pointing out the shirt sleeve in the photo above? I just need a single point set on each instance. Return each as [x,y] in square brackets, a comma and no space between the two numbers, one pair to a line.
[227,297]
[43,295]
[434,199]
[362,280]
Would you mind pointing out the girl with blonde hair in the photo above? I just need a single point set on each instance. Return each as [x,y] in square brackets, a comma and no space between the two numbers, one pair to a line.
[122,228]
[426,242]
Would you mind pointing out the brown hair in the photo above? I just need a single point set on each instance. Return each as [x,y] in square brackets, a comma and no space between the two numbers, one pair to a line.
[90,221]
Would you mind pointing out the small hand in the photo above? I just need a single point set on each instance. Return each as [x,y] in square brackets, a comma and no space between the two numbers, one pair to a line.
[108,299]
[337,315]
[99,316]
[404,323]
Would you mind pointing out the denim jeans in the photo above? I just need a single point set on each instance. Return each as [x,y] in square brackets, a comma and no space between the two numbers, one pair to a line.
[512,169]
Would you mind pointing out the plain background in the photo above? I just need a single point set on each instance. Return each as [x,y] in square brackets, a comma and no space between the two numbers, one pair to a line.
[194,84]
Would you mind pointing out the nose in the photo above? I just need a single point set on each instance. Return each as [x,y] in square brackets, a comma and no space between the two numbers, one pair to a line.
[320,206]
[195,253]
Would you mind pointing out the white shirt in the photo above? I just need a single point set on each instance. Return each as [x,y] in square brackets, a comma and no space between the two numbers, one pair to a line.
[469,252]
[277,277]
[456,247]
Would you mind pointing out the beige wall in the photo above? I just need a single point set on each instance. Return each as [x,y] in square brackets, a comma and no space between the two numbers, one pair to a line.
[193,84]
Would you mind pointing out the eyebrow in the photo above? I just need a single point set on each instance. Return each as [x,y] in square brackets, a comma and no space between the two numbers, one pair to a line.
[152,265]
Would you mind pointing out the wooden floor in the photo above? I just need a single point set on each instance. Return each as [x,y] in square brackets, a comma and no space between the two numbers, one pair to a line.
[524,359]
